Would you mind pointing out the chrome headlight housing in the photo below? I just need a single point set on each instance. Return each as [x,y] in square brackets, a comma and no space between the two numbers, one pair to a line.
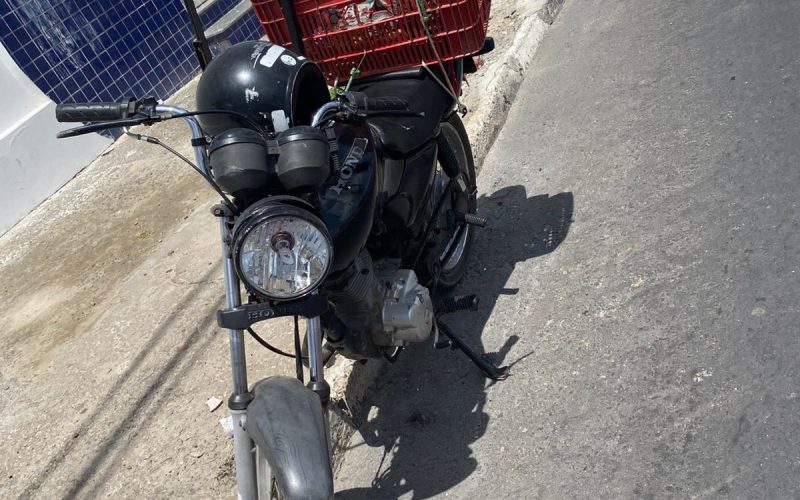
[281,251]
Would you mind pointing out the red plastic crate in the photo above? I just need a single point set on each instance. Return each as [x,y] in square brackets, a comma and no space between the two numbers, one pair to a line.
[340,35]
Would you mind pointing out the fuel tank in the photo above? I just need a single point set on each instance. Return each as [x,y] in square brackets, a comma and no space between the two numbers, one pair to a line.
[349,197]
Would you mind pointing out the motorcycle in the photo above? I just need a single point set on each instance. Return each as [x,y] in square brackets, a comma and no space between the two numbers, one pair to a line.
[355,212]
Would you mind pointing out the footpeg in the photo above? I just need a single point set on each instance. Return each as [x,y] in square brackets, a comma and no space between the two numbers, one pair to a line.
[457,303]
[472,219]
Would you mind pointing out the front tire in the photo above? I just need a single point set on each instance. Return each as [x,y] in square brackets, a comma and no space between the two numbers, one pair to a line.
[289,426]
[267,485]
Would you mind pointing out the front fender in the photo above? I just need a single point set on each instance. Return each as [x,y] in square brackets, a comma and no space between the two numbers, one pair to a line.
[287,422]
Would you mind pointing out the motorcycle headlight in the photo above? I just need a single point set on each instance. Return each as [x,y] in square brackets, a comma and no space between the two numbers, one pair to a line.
[280,251]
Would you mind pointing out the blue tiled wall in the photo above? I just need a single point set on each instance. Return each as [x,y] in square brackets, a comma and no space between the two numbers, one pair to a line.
[248,29]
[103,50]
[216,11]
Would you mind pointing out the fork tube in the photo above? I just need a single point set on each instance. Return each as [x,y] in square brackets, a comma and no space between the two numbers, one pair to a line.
[243,456]
[238,360]
[317,382]
[314,349]
[315,368]
[242,444]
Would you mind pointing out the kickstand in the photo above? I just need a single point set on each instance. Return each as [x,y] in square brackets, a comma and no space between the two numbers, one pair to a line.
[490,370]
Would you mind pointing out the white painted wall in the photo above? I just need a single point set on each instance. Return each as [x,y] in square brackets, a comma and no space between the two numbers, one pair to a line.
[33,163]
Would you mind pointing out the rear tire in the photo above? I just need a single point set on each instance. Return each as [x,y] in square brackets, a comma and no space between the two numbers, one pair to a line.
[453,269]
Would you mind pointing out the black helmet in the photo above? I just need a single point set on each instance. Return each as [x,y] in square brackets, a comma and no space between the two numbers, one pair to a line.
[273,85]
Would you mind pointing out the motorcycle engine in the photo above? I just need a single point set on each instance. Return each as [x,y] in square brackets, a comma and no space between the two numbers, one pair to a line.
[407,312]
[381,302]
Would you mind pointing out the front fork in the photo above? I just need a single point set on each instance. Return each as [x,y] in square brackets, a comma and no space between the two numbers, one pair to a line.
[241,397]
[243,447]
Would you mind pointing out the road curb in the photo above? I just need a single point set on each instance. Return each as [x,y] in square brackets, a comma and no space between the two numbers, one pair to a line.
[350,383]
[350,380]
[484,122]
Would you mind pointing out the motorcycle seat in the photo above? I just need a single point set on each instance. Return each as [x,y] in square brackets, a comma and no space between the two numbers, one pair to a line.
[403,136]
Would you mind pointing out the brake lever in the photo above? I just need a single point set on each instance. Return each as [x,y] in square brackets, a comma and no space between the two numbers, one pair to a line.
[97,127]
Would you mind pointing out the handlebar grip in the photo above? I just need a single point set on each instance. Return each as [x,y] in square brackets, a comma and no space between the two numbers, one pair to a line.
[94,111]
[366,104]
[386,104]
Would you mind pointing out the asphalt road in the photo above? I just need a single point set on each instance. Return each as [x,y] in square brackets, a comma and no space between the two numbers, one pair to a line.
[640,273]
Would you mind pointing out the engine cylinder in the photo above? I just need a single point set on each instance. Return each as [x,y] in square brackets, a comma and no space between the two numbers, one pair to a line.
[356,298]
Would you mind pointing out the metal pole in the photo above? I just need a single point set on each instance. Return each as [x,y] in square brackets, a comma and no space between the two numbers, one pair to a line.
[201,48]
[287,6]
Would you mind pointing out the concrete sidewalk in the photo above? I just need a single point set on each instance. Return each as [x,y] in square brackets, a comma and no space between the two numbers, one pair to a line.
[110,349]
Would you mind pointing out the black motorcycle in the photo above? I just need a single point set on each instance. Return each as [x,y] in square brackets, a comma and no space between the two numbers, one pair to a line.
[355,213]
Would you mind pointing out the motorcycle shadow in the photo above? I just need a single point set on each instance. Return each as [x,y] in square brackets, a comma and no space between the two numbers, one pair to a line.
[427,409]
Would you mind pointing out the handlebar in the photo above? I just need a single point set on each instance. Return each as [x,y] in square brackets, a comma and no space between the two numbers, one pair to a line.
[106,115]
[127,114]
[95,111]
[350,105]
[136,112]
[147,111]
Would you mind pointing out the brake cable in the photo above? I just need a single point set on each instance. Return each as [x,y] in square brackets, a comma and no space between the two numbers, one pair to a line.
[298,356]
[269,346]
[155,140]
